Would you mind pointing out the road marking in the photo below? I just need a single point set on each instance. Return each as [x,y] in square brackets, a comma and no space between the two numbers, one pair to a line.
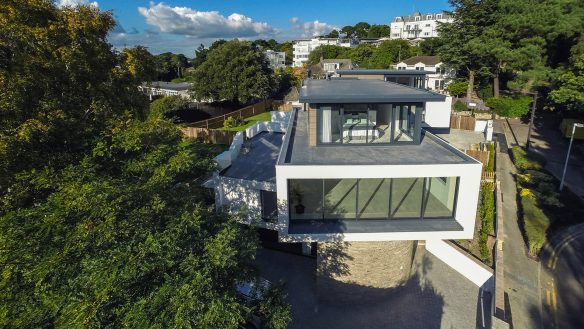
[563,244]
[554,301]
[548,294]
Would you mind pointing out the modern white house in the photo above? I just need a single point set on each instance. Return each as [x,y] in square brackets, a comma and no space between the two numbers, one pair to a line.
[438,74]
[303,47]
[418,26]
[163,88]
[277,59]
[357,168]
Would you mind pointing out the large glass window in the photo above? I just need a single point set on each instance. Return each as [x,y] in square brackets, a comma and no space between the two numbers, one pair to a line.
[440,194]
[404,123]
[356,125]
[305,197]
[406,197]
[366,123]
[373,198]
[340,196]
[329,127]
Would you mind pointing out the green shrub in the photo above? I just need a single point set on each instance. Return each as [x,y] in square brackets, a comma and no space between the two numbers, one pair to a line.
[457,88]
[484,247]
[535,224]
[487,216]
[511,107]
[524,160]
[459,106]
[232,122]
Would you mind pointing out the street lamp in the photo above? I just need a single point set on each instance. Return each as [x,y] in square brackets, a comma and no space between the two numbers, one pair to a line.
[579,125]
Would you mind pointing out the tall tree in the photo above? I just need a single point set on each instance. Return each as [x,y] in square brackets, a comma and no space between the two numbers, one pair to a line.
[103,222]
[379,31]
[327,52]
[235,71]
[470,17]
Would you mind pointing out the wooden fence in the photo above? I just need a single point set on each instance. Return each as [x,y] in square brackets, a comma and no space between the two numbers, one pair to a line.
[212,136]
[246,112]
[462,122]
[482,156]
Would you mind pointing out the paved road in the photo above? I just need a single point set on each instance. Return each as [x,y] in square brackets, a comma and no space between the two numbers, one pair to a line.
[563,279]
[521,272]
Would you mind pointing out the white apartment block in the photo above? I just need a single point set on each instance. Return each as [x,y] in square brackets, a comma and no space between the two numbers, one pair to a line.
[277,59]
[438,76]
[418,26]
[303,47]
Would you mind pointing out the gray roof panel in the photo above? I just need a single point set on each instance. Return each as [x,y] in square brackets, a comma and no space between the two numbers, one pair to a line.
[362,91]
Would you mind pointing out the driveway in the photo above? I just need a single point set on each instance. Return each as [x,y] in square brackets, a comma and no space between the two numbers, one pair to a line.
[435,297]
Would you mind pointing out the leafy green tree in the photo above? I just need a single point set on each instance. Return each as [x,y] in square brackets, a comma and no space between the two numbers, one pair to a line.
[327,52]
[141,65]
[103,222]
[166,107]
[430,46]
[200,55]
[171,66]
[361,30]
[361,54]
[332,34]
[511,107]
[570,91]
[288,48]
[235,71]
[378,31]
[390,52]
[457,38]
[348,31]
[458,88]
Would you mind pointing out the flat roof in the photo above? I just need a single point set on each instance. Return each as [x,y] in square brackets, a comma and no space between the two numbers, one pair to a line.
[178,86]
[259,163]
[362,91]
[384,72]
[431,150]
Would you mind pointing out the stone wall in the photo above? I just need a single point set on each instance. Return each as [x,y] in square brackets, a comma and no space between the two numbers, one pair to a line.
[362,271]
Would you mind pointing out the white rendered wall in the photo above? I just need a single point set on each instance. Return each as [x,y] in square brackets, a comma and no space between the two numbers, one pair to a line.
[438,113]
[466,205]
[243,195]
[459,262]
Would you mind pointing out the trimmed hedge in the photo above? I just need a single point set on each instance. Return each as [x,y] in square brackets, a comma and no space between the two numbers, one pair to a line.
[491,164]
[487,216]
[535,223]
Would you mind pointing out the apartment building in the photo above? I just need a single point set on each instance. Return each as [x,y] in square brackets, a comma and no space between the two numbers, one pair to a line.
[418,26]
[303,47]
[277,59]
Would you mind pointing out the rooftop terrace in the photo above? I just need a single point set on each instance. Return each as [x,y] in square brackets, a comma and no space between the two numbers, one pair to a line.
[257,160]
[432,150]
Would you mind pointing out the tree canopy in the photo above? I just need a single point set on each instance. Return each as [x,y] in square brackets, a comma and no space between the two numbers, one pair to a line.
[103,220]
[236,71]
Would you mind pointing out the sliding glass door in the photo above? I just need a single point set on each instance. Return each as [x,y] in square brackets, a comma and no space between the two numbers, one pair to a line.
[372,198]
[368,123]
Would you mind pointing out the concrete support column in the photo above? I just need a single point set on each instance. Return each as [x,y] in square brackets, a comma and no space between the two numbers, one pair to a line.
[362,271]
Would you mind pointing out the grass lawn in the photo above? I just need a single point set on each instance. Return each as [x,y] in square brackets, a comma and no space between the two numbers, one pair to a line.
[248,122]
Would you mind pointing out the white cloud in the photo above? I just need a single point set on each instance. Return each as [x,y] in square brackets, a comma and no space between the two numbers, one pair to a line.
[74,3]
[202,24]
[311,29]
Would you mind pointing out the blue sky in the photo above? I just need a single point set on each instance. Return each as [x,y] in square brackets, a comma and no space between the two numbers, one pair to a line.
[181,26]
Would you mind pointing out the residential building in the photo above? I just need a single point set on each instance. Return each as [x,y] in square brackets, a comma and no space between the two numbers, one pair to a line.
[354,170]
[438,74]
[329,67]
[303,47]
[277,59]
[163,88]
[418,26]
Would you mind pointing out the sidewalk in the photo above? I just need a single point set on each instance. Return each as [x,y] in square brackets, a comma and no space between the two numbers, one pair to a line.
[521,273]
[547,140]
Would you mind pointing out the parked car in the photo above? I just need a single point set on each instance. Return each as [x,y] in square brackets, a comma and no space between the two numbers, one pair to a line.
[253,292]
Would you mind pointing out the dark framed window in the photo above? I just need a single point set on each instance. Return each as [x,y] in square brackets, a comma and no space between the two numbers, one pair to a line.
[269,205]
[379,123]
[373,198]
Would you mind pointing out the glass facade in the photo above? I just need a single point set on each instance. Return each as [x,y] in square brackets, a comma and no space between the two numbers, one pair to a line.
[372,198]
[269,205]
[368,123]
